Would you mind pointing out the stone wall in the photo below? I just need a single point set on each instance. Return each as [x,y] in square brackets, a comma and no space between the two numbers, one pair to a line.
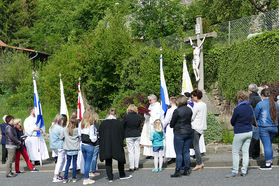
[225,107]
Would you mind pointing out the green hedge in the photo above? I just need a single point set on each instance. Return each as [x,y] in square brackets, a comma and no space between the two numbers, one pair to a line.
[251,61]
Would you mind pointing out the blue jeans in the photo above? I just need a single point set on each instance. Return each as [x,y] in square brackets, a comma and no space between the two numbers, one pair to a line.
[267,135]
[182,145]
[94,159]
[87,152]
[241,141]
[69,159]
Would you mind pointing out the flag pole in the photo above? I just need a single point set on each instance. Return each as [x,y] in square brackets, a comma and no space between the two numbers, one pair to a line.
[39,140]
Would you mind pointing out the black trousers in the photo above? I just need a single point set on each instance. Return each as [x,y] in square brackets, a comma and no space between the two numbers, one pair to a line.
[254,149]
[4,153]
[109,169]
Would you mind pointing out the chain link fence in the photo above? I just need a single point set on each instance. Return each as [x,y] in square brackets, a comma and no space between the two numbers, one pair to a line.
[244,28]
[228,32]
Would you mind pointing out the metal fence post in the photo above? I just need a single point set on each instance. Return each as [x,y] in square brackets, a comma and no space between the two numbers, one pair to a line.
[229,34]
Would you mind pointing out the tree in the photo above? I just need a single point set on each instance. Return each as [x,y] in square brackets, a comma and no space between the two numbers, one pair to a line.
[216,11]
[264,5]
[153,19]
[65,21]
[17,16]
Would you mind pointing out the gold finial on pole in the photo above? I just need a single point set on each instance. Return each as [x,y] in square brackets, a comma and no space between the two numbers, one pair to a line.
[60,75]
[79,78]
[161,50]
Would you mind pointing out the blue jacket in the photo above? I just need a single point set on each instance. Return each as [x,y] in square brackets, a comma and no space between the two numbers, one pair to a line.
[262,114]
[157,138]
[55,142]
[242,117]
[3,127]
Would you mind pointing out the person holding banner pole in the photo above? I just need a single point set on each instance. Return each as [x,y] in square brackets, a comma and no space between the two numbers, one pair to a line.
[34,129]
[35,145]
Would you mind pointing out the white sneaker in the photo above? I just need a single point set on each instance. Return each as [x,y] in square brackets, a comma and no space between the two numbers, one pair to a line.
[88,181]
[56,180]
[126,177]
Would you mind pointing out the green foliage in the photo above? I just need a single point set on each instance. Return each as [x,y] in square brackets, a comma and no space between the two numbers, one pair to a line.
[16,17]
[108,46]
[65,21]
[216,11]
[67,62]
[22,111]
[214,130]
[153,19]
[227,136]
[14,69]
[251,61]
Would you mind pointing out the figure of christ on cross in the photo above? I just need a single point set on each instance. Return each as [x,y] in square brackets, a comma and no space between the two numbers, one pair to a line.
[198,51]
[196,57]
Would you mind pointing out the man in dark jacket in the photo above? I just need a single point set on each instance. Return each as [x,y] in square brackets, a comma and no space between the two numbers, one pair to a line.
[11,144]
[111,133]
[254,99]
[3,141]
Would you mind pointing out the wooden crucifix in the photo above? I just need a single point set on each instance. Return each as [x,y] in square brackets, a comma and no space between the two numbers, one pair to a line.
[198,64]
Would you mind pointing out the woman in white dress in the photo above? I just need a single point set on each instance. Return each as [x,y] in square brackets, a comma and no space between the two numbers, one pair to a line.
[169,150]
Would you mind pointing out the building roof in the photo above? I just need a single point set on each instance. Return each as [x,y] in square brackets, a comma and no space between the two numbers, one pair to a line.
[41,54]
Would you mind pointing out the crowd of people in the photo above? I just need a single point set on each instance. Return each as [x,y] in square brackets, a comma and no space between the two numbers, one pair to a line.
[77,144]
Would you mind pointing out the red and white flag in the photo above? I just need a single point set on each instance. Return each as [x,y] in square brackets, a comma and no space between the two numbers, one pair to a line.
[80,109]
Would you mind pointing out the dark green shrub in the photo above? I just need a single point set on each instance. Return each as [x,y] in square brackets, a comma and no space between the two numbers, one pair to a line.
[214,130]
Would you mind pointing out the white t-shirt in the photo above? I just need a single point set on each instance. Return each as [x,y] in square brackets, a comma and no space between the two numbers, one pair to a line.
[199,117]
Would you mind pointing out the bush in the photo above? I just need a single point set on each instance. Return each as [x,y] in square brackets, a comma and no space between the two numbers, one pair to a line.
[214,130]
[251,61]
[227,136]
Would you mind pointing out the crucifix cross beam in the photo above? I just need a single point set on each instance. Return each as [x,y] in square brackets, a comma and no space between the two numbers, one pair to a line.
[201,36]
[198,66]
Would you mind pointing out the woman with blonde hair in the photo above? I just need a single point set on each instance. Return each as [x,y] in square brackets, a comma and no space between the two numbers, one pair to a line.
[22,148]
[56,144]
[131,122]
[88,138]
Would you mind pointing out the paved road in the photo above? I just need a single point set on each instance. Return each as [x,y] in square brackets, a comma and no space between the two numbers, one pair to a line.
[144,177]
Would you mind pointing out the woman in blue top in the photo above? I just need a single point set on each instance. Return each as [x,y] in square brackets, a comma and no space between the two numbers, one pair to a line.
[242,122]
[157,137]
[266,113]
[56,144]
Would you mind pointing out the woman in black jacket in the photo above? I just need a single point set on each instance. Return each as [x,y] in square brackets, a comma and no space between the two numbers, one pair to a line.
[131,123]
[21,149]
[183,134]
[111,133]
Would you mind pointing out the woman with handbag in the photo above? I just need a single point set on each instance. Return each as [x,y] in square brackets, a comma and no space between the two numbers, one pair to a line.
[242,122]
[21,149]
[88,138]
[254,99]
